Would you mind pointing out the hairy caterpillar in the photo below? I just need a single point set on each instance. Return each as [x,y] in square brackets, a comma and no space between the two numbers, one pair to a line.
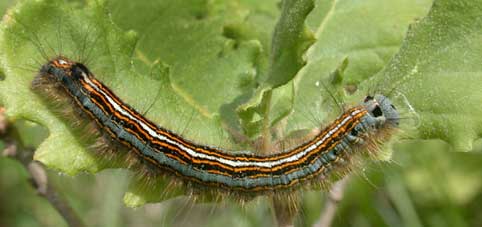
[358,130]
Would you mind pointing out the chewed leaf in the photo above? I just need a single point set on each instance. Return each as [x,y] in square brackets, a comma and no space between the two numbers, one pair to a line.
[439,73]
[291,39]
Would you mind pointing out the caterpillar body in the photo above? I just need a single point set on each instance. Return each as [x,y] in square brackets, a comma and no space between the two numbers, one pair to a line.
[357,131]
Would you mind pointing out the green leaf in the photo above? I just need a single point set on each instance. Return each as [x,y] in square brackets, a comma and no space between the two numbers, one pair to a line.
[438,70]
[193,38]
[366,34]
[28,36]
[291,38]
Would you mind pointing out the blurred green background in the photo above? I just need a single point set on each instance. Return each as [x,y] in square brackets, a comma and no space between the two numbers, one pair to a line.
[425,184]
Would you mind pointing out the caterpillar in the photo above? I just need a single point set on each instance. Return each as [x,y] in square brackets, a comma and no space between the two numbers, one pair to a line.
[358,130]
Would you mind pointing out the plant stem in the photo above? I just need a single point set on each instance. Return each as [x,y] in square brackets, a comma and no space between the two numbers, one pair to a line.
[267,143]
[334,197]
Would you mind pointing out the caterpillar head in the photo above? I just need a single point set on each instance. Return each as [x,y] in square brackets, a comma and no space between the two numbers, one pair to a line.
[62,69]
[380,106]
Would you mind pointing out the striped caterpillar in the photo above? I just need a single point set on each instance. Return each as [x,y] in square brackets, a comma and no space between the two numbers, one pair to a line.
[357,131]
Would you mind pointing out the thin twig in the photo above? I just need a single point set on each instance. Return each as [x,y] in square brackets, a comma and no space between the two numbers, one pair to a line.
[3,121]
[38,176]
[334,197]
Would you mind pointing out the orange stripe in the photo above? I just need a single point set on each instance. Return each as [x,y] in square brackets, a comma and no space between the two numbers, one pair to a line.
[343,129]
[208,152]
[239,169]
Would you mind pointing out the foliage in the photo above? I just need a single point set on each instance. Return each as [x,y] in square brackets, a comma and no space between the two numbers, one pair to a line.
[234,65]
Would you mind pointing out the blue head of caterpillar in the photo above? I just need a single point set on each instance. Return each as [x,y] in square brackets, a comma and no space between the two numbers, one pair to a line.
[381,108]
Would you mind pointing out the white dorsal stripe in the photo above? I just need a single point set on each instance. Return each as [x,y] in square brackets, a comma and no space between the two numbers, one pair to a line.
[233,163]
